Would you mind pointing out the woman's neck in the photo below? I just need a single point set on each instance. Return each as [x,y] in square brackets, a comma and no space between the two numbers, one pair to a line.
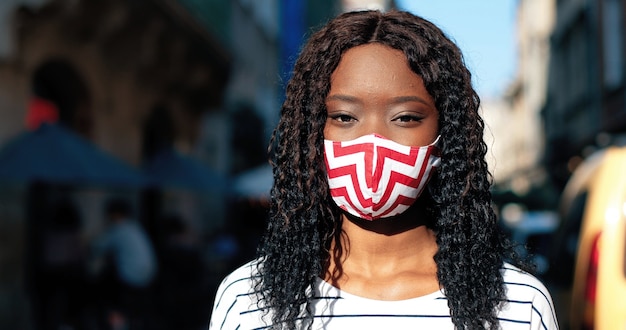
[386,259]
[385,245]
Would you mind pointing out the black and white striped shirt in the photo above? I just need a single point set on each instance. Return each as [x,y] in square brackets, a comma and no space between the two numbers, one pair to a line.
[529,306]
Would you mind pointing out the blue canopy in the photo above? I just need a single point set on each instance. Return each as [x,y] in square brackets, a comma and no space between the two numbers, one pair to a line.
[170,168]
[55,154]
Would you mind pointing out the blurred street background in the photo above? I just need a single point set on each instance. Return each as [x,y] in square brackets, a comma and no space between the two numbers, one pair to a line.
[158,113]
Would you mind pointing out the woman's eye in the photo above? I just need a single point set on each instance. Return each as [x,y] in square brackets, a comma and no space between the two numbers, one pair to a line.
[407,118]
[343,118]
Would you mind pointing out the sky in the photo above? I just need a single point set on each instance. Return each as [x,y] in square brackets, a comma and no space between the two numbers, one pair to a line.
[485,32]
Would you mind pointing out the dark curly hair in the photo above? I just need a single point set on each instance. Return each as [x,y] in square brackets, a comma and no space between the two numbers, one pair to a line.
[303,218]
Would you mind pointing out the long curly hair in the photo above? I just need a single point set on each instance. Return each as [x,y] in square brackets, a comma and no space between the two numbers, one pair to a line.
[303,220]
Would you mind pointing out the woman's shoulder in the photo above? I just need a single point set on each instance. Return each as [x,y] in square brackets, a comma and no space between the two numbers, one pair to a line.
[234,297]
[518,280]
[240,278]
[528,299]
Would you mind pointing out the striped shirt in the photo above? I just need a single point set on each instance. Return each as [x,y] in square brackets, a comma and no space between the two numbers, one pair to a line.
[528,306]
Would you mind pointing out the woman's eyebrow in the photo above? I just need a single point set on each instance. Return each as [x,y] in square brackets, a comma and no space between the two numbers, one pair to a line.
[342,97]
[394,100]
[411,98]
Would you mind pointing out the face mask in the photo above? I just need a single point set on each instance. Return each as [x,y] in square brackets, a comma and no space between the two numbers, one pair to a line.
[372,177]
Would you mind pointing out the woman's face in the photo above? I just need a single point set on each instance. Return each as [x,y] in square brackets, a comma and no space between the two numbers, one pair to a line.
[373,90]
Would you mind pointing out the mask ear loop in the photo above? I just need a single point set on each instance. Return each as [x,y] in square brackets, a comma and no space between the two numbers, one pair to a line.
[435,175]
[436,142]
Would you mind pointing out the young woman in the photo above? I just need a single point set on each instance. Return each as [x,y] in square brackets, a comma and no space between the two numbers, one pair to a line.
[381,214]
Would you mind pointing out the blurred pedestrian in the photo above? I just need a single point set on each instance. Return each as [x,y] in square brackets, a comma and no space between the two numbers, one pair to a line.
[124,263]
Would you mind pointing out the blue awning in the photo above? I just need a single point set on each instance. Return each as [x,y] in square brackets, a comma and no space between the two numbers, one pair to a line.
[55,154]
[171,169]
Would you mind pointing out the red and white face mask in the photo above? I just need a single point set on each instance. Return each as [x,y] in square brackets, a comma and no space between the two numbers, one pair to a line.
[372,177]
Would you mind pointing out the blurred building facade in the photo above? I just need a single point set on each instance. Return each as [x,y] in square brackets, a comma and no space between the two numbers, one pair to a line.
[129,59]
[568,98]
[514,122]
[133,77]
[586,107]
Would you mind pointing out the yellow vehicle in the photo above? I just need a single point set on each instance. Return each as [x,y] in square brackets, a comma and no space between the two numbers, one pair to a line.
[598,291]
